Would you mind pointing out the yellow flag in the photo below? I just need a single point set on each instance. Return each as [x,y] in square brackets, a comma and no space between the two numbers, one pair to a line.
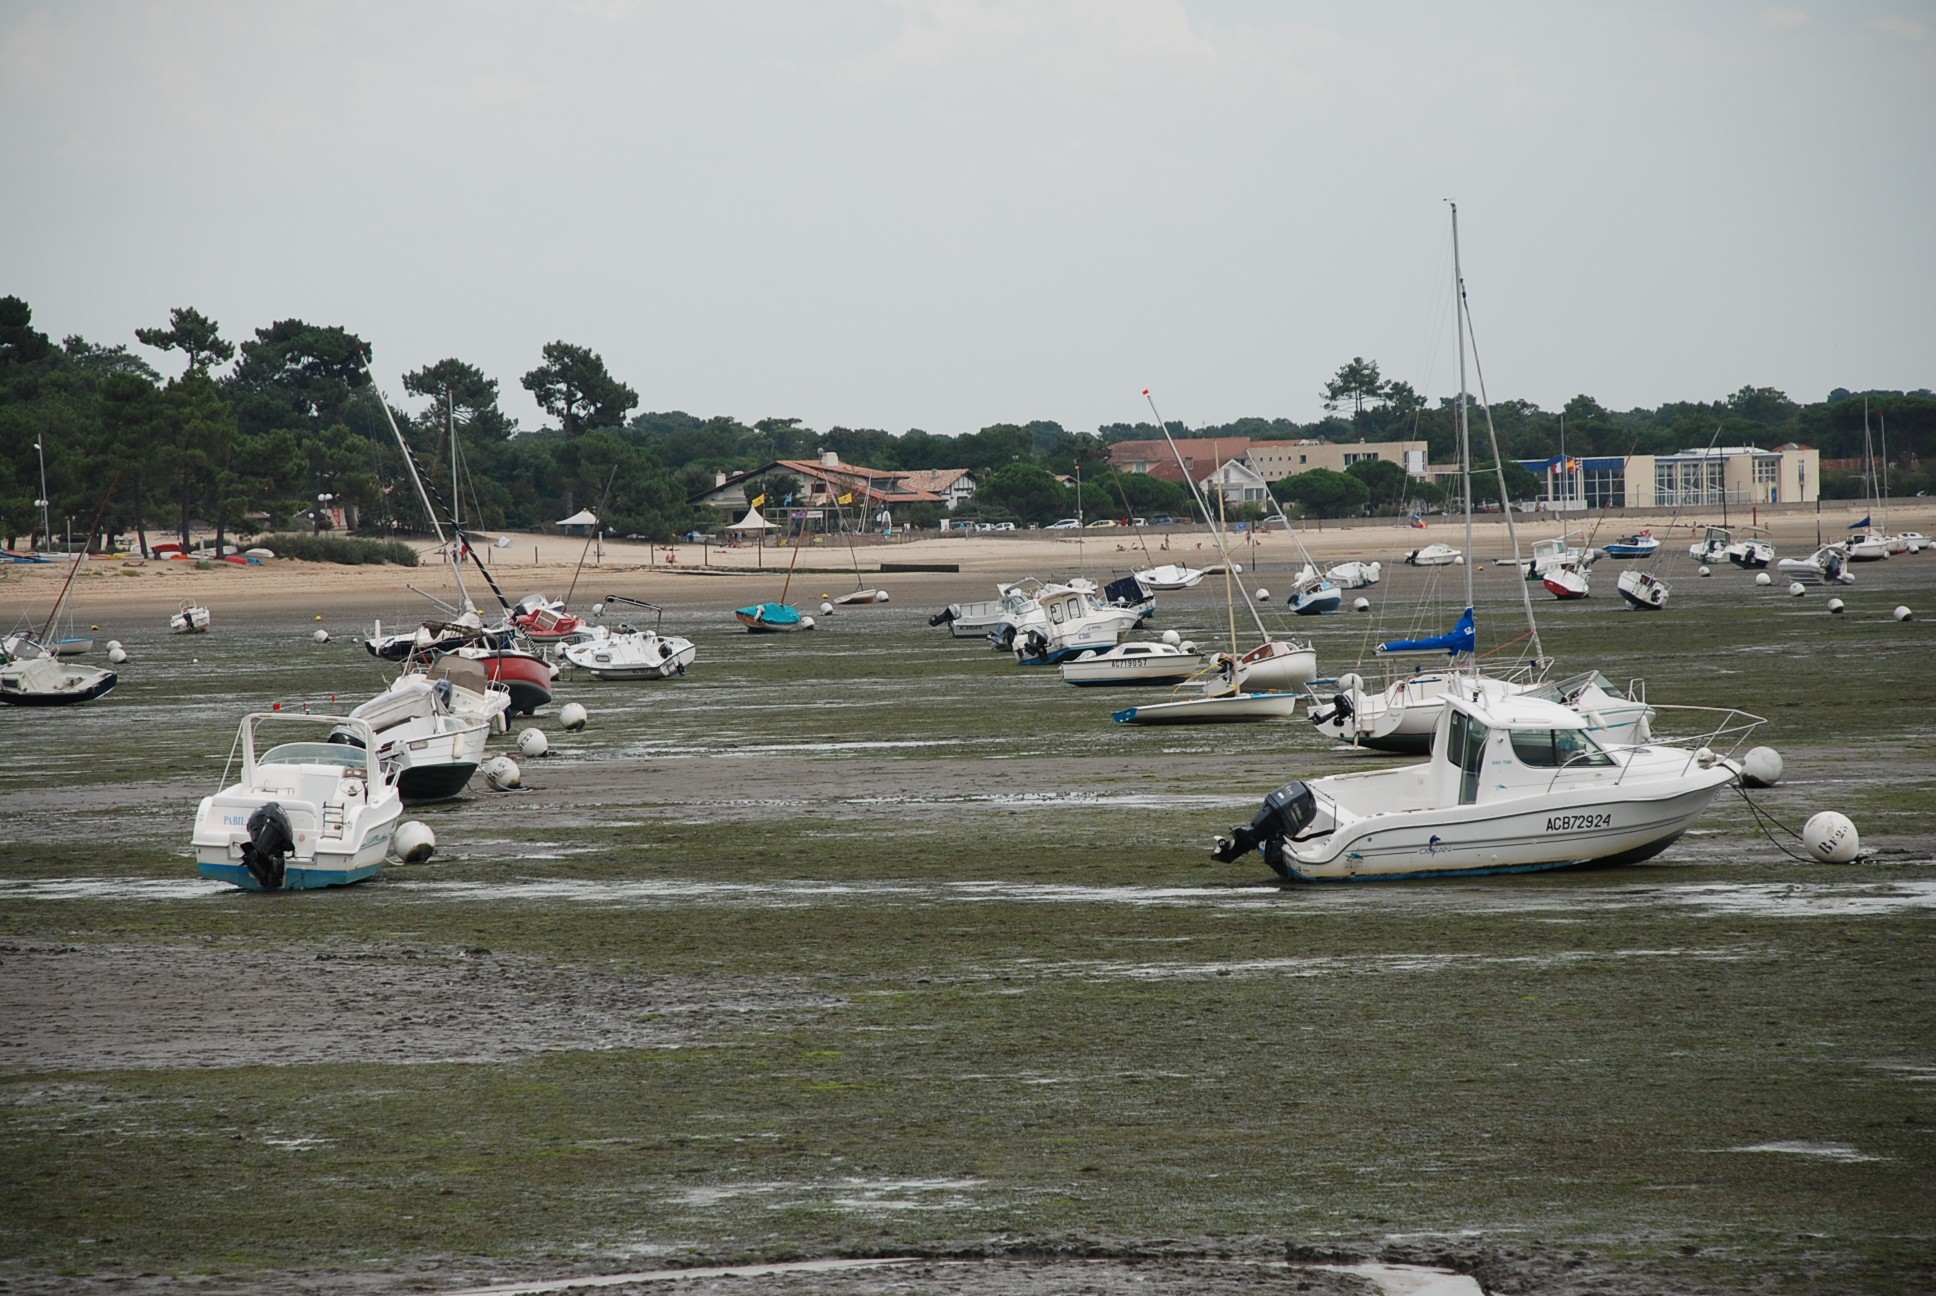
[848,498]
[759,500]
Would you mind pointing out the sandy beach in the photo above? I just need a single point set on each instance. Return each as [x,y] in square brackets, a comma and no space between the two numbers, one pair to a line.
[682,574]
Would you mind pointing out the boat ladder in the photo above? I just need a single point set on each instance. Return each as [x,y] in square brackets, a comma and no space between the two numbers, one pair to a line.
[335,818]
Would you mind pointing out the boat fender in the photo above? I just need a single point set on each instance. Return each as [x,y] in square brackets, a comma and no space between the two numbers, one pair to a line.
[269,844]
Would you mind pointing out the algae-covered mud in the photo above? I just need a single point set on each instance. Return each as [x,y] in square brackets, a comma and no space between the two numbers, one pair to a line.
[868,943]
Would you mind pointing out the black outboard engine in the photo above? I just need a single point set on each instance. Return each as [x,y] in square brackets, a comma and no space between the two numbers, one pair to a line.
[1033,644]
[1340,711]
[269,844]
[943,617]
[1285,813]
[344,736]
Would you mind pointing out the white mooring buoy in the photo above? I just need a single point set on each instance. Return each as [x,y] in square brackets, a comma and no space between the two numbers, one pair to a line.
[321,635]
[1263,595]
[1706,572]
[502,773]
[1763,578]
[1172,638]
[532,742]
[1761,767]
[1831,838]
[1350,682]
[1835,605]
[117,654]
[826,609]
[1796,589]
[1902,614]
[414,842]
[1361,605]
[572,716]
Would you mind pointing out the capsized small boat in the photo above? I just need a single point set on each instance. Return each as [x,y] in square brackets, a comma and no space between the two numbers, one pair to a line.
[1276,666]
[1213,708]
[1315,596]
[1141,662]
[546,621]
[35,676]
[1827,565]
[1639,545]
[1643,590]
[305,813]
[1514,784]
[190,618]
[859,596]
[1567,581]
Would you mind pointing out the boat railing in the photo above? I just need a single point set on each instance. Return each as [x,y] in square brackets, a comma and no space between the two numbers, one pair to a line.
[1731,726]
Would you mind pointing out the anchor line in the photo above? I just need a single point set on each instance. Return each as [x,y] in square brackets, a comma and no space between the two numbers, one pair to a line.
[1763,819]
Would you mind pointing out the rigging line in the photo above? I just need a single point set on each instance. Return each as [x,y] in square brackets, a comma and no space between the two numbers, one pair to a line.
[603,496]
[1216,531]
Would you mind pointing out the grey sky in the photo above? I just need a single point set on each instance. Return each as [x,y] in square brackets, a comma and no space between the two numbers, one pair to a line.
[942,214]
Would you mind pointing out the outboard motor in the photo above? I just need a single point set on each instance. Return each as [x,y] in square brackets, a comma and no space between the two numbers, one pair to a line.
[344,736]
[1033,644]
[269,844]
[1285,813]
[943,617]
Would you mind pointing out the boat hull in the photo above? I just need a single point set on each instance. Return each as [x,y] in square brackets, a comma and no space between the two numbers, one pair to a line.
[1645,595]
[295,877]
[527,678]
[424,784]
[772,618]
[1570,828]
[1106,670]
[1238,708]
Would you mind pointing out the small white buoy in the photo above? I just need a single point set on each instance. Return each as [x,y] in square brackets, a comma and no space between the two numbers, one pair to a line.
[1263,595]
[1831,838]
[1796,589]
[1835,605]
[1361,605]
[1188,645]
[1706,572]
[117,654]
[598,609]
[1763,578]
[321,636]
[1761,767]
[1172,638]
[502,773]
[883,598]
[1902,614]
[1350,682]
[414,842]
[572,716]
[113,644]
[1236,569]
[1846,578]
[1459,561]
[532,742]
[826,609]
[806,623]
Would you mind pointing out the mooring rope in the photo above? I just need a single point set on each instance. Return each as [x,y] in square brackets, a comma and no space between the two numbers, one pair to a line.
[1763,819]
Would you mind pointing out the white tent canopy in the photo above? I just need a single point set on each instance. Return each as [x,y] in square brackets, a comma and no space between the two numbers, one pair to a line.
[583,517]
[753,522]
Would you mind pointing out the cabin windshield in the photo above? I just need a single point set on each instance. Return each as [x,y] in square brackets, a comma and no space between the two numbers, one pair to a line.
[1553,748]
[313,754]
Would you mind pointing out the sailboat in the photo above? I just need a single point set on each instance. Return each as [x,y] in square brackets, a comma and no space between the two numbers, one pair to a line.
[33,673]
[1865,542]
[779,617]
[860,594]
[1242,686]
[526,676]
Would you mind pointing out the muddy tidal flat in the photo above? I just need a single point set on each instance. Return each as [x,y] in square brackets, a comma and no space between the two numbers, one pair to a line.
[866,942]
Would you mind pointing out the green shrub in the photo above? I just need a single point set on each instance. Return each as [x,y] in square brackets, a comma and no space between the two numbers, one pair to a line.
[346,550]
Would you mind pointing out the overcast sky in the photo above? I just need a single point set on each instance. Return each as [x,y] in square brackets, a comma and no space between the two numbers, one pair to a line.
[945,214]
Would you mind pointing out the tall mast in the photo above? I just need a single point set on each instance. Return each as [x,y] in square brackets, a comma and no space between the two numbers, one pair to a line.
[423,492]
[46,522]
[450,430]
[1216,526]
[1465,427]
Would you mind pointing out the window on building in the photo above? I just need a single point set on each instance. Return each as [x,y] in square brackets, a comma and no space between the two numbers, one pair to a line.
[1304,458]
[1767,469]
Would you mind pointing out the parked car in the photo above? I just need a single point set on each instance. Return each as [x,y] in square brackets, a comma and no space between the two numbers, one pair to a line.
[1062,524]
[1004,526]
[1100,523]
[1164,519]
[1138,522]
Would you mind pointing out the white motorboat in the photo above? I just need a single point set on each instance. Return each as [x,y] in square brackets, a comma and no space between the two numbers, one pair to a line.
[1750,553]
[1828,565]
[628,653]
[1712,546]
[190,618]
[1913,541]
[303,814]
[1064,623]
[423,743]
[1353,575]
[1170,576]
[1276,666]
[472,693]
[1553,553]
[1133,663]
[1643,590]
[1641,544]
[1514,784]
[35,676]
[978,620]
[1436,554]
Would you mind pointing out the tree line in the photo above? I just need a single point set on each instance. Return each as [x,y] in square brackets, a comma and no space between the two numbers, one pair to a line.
[275,430]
